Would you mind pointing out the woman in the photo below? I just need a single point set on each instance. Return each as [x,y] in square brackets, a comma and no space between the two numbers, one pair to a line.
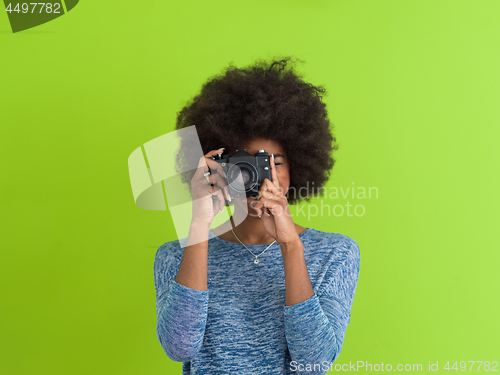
[268,296]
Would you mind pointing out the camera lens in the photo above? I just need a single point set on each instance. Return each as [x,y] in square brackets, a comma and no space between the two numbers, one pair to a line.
[248,175]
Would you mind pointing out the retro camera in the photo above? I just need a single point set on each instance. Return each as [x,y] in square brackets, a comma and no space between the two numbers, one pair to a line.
[252,169]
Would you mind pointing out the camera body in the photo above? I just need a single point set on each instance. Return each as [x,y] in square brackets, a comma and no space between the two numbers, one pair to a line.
[254,169]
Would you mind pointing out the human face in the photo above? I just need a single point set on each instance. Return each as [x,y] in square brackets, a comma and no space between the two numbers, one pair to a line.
[280,160]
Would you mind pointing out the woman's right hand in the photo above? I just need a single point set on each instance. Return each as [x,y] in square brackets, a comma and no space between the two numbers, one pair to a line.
[204,207]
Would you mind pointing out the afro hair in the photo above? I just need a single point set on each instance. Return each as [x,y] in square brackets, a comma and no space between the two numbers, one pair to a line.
[265,100]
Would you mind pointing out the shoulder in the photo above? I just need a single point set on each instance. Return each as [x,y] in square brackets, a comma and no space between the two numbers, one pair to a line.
[329,242]
[338,256]
[169,251]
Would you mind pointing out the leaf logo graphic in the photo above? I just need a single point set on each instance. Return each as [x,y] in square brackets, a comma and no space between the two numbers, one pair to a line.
[25,15]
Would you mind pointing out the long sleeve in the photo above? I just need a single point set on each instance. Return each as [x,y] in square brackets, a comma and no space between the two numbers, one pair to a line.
[181,311]
[315,328]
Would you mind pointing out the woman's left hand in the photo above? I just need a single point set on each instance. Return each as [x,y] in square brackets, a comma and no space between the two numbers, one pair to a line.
[271,205]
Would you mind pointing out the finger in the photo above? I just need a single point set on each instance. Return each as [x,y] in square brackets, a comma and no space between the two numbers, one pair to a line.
[271,195]
[220,200]
[272,206]
[257,206]
[226,190]
[223,182]
[220,184]
[267,185]
[215,169]
[270,186]
[274,174]
[213,165]
[217,179]
[216,206]
[202,167]
[215,152]
[205,163]
[264,208]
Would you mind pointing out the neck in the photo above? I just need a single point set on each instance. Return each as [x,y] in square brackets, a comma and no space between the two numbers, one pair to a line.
[251,232]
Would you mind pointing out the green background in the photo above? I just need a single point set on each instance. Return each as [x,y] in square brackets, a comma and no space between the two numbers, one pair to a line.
[413,91]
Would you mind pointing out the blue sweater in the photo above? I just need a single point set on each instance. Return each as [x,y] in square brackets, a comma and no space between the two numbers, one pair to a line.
[240,325]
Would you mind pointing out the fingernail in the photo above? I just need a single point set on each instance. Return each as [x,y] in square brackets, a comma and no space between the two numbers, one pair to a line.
[272,155]
[259,216]
[222,209]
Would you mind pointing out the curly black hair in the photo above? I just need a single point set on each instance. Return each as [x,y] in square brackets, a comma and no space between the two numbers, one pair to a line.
[265,100]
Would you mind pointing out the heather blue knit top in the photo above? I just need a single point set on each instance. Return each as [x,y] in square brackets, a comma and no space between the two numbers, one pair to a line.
[240,325]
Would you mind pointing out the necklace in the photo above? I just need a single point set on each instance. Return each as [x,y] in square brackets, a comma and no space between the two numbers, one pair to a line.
[256,261]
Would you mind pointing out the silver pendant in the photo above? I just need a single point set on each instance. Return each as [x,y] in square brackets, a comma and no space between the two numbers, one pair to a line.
[256,261]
